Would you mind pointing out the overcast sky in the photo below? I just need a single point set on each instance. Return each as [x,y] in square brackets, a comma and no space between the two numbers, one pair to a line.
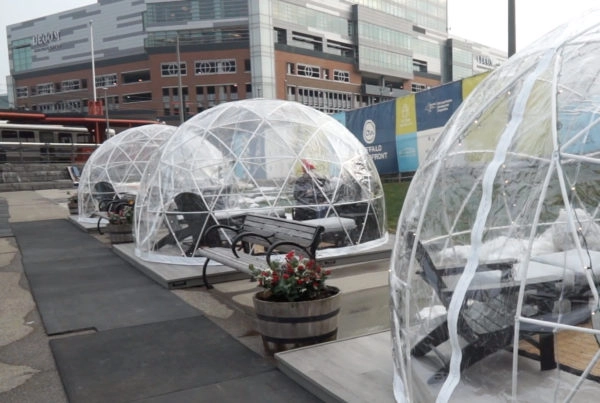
[483,21]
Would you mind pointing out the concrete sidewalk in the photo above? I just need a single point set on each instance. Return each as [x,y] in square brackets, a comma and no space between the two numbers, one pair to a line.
[27,369]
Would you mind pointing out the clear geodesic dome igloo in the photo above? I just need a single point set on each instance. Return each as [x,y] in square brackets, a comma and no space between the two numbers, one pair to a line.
[116,167]
[270,157]
[496,262]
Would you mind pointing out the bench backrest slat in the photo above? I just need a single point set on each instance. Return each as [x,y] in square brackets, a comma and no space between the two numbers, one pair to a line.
[278,229]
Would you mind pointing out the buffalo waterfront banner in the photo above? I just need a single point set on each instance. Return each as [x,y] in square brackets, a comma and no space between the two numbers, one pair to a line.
[374,126]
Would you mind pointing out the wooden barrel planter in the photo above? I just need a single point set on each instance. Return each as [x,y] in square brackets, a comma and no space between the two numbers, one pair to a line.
[120,233]
[285,325]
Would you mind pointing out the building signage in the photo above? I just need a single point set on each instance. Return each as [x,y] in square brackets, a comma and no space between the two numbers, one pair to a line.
[46,40]
[484,62]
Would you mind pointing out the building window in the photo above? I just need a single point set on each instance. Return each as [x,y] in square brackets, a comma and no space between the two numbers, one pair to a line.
[291,68]
[22,92]
[138,97]
[221,66]
[307,41]
[233,92]
[70,85]
[341,75]
[22,54]
[417,87]
[107,80]
[71,105]
[46,108]
[210,91]
[309,71]
[171,70]
[44,89]
[420,66]
[324,100]
[135,76]
[247,65]
[340,49]
[280,36]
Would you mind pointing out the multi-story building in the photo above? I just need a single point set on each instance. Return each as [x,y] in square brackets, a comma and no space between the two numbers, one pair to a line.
[156,58]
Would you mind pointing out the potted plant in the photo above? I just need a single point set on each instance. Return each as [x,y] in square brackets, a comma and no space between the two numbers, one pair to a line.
[120,224]
[73,204]
[295,307]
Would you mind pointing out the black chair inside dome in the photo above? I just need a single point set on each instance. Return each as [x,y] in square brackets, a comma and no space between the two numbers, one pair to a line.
[195,219]
[486,318]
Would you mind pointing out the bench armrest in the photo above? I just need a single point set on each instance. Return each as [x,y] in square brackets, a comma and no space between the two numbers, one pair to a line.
[220,226]
[245,244]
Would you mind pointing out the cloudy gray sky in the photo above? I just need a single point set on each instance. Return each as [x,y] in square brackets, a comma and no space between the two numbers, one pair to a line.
[483,21]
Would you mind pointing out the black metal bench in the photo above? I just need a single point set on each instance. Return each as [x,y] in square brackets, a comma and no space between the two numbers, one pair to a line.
[274,236]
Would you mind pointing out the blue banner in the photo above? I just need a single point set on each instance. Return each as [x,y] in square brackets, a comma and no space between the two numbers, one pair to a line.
[374,126]
[434,107]
[340,117]
[408,156]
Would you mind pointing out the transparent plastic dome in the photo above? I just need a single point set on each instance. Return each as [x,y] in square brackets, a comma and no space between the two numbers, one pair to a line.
[498,243]
[268,157]
[116,167]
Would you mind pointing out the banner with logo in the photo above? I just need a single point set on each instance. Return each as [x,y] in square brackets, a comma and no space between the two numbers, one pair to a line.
[406,134]
[375,127]
[435,106]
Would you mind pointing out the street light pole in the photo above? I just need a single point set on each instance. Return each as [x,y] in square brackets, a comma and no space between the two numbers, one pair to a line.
[93,60]
[107,131]
[512,35]
[181,110]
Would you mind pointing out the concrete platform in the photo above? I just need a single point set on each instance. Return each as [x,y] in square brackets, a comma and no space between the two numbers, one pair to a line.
[88,225]
[357,369]
[360,369]
[176,276]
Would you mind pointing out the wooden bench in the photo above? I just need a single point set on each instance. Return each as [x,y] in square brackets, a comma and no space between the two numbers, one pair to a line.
[274,236]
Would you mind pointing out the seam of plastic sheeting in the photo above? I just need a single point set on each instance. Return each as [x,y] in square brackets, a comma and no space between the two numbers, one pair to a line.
[553,166]
[399,390]
[477,233]
[435,174]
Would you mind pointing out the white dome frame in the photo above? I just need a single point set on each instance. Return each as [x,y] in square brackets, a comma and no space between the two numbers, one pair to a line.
[513,176]
[119,163]
[246,156]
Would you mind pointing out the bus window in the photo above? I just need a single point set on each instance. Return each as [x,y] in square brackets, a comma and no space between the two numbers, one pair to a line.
[65,138]
[84,138]
[25,135]
[46,137]
[10,135]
